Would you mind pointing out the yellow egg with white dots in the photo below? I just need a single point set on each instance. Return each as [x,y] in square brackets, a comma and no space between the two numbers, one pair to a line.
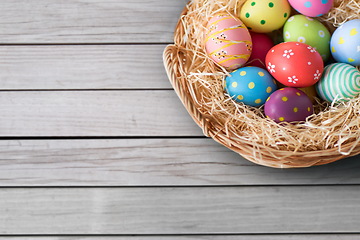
[250,85]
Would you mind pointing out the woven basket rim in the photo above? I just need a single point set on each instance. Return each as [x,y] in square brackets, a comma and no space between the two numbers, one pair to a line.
[211,128]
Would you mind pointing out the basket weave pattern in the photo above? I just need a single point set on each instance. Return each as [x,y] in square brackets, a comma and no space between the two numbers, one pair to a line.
[178,61]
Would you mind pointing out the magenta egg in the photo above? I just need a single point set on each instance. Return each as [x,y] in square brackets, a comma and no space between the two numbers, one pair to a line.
[288,105]
[228,41]
[262,43]
[312,8]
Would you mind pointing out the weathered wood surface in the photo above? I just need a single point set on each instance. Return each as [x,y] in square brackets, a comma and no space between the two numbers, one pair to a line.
[70,67]
[150,162]
[94,113]
[182,210]
[94,145]
[88,21]
[203,237]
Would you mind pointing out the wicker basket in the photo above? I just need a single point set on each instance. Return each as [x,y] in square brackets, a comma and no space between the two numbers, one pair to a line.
[177,60]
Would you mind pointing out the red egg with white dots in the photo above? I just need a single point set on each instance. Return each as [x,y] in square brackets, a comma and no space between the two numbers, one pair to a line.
[288,105]
[295,64]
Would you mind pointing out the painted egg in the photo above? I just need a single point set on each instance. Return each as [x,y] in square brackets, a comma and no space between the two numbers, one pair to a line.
[288,105]
[262,43]
[295,64]
[250,85]
[265,15]
[310,92]
[345,43]
[300,28]
[339,81]
[312,8]
[228,41]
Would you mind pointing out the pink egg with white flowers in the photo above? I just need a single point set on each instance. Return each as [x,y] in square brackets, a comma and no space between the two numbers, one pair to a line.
[228,41]
[312,8]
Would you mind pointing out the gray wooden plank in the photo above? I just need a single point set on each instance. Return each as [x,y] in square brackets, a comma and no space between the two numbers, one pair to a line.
[207,237]
[88,21]
[150,162]
[198,210]
[82,67]
[94,113]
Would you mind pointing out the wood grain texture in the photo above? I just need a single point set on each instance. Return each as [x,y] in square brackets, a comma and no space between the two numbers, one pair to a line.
[206,237]
[88,21]
[150,162]
[94,113]
[225,210]
[90,68]
[82,67]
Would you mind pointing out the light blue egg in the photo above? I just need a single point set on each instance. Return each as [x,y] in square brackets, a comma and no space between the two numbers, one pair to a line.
[250,85]
[345,43]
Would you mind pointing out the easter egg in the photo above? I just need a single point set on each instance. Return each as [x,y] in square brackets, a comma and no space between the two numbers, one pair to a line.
[261,43]
[339,81]
[265,15]
[345,43]
[312,8]
[300,28]
[295,64]
[288,105]
[310,92]
[228,41]
[250,85]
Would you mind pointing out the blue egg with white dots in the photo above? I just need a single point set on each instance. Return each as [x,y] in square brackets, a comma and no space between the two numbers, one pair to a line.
[345,43]
[250,85]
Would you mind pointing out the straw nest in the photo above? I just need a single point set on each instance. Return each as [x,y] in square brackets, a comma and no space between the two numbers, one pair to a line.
[330,134]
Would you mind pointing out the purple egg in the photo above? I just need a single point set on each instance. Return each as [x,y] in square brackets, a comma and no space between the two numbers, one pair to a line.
[288,105]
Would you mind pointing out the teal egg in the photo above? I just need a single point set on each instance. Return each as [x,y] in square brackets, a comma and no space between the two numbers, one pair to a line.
[250,85]
[339,81]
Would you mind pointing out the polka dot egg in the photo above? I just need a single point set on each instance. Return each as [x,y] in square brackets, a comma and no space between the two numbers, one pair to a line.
[288,105]
[300,28]
[345,43]
[250,85]
[265,16]
[312,8]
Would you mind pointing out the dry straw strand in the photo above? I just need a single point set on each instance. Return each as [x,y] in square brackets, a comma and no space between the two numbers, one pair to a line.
[331,133]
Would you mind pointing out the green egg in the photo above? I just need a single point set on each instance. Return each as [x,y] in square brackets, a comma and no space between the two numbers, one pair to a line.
[300,28]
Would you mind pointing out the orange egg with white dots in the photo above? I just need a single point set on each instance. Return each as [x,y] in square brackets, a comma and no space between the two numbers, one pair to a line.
[288,105]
